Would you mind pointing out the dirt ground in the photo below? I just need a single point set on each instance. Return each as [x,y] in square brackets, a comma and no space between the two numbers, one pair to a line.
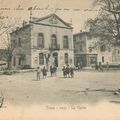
[85,87]
[87,96]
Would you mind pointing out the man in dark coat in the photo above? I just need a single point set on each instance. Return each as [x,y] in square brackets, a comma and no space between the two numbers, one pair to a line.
[71,72]
[107,66]
[67,71]
[55,70]
[44,71]
[100,66]
[38,73]
[96,66]
[64,71]
[51,70]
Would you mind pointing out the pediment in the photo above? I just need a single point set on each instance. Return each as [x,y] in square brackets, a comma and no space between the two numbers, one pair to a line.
[52,20]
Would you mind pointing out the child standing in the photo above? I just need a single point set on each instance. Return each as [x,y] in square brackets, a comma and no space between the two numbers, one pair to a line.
[38,73]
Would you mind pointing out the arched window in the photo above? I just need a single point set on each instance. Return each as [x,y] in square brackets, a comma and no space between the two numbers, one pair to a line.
[65,42]
[40,40]
[54,41]
[41,58]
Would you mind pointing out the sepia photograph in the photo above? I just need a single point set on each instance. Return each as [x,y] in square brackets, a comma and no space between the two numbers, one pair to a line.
[59,59]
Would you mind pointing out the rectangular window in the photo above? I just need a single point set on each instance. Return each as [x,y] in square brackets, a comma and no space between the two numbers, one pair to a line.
[118,52]
[19,42]
[41,59]
[66,58]
[103,59]
[92,60]
[54,41]
[14,61]
[81,48]
[14,43]
[40,40]
[65,42]
[89,37]
[20,61]
[102,48]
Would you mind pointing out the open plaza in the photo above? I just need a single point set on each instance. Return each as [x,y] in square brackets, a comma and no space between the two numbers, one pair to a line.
[85,87]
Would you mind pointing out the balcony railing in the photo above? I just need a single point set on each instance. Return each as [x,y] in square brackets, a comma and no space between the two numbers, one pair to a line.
[54,47]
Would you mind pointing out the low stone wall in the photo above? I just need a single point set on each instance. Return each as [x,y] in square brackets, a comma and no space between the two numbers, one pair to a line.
[7,72]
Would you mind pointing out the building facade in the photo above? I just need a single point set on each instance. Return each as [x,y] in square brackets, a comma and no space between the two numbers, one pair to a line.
[89,52]
[43,42]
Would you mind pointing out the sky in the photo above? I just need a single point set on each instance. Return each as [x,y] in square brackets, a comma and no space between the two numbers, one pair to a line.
[71,11]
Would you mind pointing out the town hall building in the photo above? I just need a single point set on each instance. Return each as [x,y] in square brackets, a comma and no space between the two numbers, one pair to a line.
[43,42]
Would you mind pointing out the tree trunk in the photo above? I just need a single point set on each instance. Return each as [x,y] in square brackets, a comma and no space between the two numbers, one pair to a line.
[9,66]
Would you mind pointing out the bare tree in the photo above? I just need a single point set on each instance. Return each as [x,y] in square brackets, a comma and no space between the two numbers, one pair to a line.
[5,30]
[8,51]
[107,24]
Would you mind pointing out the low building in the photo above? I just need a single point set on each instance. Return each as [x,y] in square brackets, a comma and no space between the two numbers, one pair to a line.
[89,52]
[116,55]
[43,42]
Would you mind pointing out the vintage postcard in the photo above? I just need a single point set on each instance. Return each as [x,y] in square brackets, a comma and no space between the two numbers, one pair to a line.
[59,59]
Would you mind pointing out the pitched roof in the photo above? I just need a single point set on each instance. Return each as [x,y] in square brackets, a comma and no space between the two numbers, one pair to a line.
[82,33]
[20,28]
[34,19]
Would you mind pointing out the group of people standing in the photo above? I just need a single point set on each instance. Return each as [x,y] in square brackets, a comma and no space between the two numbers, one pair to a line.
[99,67]
[41,71]
[53,70]
[68,71]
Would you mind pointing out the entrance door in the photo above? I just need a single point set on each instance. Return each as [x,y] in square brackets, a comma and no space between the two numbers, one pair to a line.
[92,61]
[82,60]
[55,55]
